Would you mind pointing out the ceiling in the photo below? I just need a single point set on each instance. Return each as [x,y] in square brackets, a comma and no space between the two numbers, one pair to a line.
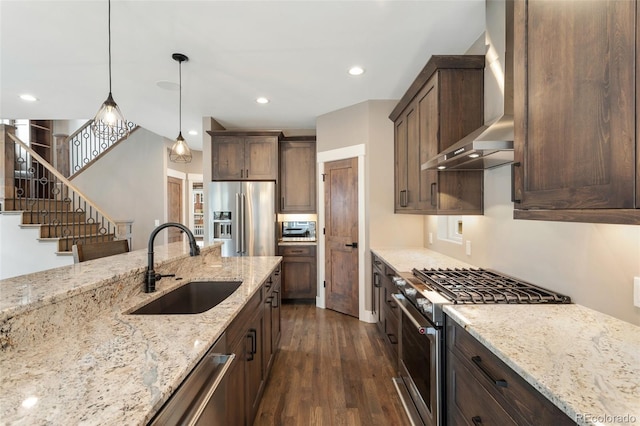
[296,53]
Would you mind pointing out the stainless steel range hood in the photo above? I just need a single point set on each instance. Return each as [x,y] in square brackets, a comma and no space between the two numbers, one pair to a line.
[492,144]
[489,146]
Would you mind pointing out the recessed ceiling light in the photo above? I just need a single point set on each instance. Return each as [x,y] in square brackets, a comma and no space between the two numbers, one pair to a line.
[28,98]
[193,132]
[356,70]
[168,85]
[262,100]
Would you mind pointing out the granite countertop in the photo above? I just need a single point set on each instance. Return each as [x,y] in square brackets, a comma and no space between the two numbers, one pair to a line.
[585,362]
[72,355]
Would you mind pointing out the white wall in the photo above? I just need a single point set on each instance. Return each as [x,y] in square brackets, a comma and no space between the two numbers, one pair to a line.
[129,182]
[16,242]
[594,264]
[368,124]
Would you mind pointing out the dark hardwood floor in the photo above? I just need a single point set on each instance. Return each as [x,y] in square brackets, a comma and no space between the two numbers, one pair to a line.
[331,370]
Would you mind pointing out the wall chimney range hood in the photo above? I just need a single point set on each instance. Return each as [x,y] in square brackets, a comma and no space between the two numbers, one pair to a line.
[490,145]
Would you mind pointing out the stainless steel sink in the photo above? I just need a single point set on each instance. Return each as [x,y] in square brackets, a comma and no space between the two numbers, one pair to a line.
[192,298]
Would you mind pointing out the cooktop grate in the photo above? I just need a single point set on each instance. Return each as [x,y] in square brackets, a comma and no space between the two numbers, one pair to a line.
[484,286]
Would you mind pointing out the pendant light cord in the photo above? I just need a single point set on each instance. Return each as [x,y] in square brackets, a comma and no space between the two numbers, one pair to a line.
[109,32]
[180,102]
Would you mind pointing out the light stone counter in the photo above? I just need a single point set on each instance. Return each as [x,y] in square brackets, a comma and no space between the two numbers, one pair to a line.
[585,362]
[70,354]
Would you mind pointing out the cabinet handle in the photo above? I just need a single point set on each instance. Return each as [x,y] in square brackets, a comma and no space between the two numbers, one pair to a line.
[296,251]
[392,338]
[513,183]
[403,198]
[247,173]
[498,382]
[434,203]
[269,301]
[392,304]
[241,173]
[250,337]
[282,203]
[376,279]
[477,421]
[276,299]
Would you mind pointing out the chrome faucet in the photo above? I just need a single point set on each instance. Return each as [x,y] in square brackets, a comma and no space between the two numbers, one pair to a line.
[151,276]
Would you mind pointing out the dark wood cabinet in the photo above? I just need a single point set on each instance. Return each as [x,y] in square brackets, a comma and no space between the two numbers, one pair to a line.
[299,272]
[244,155]
[577,156]
[384,305]
[253,336]
[481,389]
[272,321]
[297,175]
[444,104]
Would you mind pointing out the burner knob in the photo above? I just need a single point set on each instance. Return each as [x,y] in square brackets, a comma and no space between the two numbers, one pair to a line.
[425,305]
[399,281]
[411,291]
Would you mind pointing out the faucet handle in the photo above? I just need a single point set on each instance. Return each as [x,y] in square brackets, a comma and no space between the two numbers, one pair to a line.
[159,276]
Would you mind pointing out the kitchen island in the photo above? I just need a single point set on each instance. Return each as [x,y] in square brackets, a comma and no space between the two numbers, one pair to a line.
[585,362]
[71,354]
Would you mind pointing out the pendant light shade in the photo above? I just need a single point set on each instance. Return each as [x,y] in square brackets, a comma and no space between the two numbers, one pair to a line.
[109,123]
[180,151]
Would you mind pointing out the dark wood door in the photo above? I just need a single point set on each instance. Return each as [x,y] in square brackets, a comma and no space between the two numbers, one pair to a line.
[341,232]
[298,177]
[253,367]
[235,387]
[174,208]
[401,147]
[228,158]
[261,158]
[575,120]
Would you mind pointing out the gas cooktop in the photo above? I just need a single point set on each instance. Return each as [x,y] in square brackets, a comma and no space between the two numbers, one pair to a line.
[468,285]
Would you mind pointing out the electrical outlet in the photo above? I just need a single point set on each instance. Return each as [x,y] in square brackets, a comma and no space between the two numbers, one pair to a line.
[636,291]
[156,222]
[430,237]
[468,248]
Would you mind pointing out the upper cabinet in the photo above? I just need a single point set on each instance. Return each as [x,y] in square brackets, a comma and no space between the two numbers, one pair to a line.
[576,97]
[442,105]
[244,155]
[297,181]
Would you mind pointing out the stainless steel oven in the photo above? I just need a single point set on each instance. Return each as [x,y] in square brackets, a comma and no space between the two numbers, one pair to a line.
[420,375]
[421,298]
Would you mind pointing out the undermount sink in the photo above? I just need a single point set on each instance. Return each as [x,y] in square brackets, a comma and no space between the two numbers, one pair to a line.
[192,298]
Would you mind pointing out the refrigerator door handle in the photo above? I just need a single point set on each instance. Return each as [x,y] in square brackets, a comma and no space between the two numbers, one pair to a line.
[244,223]
[238,223]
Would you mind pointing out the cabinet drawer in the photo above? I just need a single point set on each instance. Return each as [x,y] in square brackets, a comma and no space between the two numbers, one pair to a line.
[523,402]
[468,403]
[238,327]
[297,250]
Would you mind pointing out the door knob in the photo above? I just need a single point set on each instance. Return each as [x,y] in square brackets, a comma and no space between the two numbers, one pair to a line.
[354,245]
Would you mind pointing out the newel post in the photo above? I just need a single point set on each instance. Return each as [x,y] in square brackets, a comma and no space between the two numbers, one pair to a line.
[7,160]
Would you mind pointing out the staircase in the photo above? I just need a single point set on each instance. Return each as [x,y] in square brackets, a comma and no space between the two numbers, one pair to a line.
[46,200]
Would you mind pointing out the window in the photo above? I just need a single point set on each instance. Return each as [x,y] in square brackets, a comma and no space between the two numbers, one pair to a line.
[450,229]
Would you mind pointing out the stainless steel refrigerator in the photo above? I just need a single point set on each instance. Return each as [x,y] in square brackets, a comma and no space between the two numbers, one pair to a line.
[242,215]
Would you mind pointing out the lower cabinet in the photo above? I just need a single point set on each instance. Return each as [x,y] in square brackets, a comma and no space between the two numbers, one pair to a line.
[299,272]
[251,339]
[384,305]
[483,390]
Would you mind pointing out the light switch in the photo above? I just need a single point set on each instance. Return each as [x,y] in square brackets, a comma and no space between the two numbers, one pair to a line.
[468,248]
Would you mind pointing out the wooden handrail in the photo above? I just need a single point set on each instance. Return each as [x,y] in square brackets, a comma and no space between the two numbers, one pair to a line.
[61,177]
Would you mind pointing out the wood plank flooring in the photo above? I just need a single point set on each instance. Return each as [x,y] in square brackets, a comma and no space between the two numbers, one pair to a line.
[331,370]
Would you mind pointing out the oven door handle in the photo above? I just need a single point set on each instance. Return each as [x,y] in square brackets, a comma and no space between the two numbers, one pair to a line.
[422,324]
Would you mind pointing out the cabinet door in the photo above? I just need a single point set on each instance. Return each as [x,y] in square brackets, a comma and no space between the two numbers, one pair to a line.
[228,158]
[401,167]
[298,177]
[299,279]
[254,371]
[276,320]
[428,145]
[574,104]
[235,387]
[261,158]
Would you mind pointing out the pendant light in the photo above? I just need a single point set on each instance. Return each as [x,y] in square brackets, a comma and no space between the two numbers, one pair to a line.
[180,152]
[109,123]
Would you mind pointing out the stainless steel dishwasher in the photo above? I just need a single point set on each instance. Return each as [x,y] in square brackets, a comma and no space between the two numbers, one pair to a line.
[200,399]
